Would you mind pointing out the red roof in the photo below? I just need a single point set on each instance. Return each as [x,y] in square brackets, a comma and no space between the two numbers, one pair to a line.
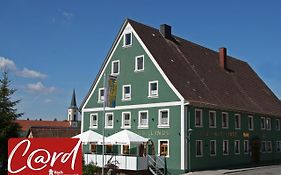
[26,124]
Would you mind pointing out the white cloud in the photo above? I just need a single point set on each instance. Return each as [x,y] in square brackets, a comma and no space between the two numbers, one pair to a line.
[39,87]
[27,73]
[7,64]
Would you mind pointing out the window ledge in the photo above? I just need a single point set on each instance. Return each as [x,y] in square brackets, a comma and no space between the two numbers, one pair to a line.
[107,127]
[125,127]
[212,126]
[198,126]
[93,127]
[142,127]
[163,126]
[141,70]
[154,96]
[126,99]
[127,46]
[100,101]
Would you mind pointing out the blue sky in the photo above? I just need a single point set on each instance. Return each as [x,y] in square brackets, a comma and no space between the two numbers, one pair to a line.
[50,47]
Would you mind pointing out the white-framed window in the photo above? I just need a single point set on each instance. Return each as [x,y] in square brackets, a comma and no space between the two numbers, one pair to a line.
[128,39]
[237,121]
[143,119]
[163,118]
[139,63]
[225,149]
[101,95]
[250,123]
[115,67]
[269,146]
[93,148]
[213,147]
[94,120]
[277,124]
[212,119]
[153,89]
[224,120]
[263,123]
[268,124]
[126,92]
[198,118]
[125,149]
[237,146]
[278,146]
[163,147]
[109,120]
[199,148]
[263,146]
[246,146]
[126,119]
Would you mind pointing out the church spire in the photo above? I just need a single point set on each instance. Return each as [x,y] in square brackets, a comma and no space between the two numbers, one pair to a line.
[73,100]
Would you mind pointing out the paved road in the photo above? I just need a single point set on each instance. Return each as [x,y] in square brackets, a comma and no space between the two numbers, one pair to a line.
[265,170]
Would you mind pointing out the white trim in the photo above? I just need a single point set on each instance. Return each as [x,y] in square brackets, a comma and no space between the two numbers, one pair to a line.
[99,95]
[239,121]
[124,39]
[138,106]
[159,119]
[112,50]
[123,93]
[201,118]
[215,119]
[106,120]
[277,129]
[112,67]
[264,123]
[91,119]
[82,121]
[201,148]
[250,117]
[123,120]
[268,124]
[139,123]
[183,136]
[136,63]
[247,146]
[168,143]
[225,154]
[215,148]
[227,120]
[235,144]
[150,95]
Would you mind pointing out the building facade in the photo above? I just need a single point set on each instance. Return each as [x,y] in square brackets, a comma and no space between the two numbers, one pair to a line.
[201,109]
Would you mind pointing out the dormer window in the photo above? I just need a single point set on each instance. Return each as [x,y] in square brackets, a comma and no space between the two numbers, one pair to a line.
[115,67]
[101,95]
[127,39]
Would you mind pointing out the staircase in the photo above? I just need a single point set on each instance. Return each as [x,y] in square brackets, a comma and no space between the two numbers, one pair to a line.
[156,165]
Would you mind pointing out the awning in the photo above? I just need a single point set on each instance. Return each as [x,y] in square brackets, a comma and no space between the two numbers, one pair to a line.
[89,137]
[125,137]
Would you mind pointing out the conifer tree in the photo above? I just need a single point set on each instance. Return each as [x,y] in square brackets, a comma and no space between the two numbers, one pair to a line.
[8,114]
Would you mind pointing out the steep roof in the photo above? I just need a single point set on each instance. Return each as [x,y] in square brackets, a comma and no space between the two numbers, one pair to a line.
[195,72]
[26,124]
[53,132]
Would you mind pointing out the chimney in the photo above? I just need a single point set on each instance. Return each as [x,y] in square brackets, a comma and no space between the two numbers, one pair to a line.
[166,31]
[223,58]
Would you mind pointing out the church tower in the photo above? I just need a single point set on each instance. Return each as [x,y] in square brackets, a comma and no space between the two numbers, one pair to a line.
[73,111]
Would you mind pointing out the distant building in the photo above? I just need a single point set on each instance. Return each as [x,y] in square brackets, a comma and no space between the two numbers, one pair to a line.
[41,128]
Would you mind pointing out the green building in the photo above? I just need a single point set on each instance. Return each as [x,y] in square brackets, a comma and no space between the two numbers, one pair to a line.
[202,109]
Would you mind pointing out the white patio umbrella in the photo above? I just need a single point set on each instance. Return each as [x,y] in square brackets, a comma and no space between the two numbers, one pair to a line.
[125,137]
[89,137]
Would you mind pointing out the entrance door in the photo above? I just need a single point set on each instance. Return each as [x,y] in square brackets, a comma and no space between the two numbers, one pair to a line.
[255,147]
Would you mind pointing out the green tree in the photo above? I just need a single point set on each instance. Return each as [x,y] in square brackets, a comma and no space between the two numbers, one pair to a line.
[8,114]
